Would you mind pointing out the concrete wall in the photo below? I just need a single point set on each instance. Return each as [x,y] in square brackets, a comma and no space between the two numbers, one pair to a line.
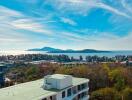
[59,95]
[59,83]
[66,82]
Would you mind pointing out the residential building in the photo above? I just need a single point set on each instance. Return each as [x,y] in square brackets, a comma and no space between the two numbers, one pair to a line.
[2,78]
[52,87]
[127,63]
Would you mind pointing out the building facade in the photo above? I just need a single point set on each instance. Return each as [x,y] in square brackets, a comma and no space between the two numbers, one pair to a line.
[2,78]
[52,87]
[68,90]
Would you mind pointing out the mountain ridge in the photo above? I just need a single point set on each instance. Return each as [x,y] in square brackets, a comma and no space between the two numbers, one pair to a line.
[55,50]
[44,49]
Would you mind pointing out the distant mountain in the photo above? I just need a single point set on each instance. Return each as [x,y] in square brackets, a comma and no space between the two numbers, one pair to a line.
[79,51]
[55,50]
[48,49]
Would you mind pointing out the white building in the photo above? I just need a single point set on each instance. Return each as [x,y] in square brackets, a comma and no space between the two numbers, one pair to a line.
[52,87]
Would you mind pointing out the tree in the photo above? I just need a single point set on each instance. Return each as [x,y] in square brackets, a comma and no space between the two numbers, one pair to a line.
[127,94]
[118,79]
[105,94]
[72,58]
[80,58]
[120,83]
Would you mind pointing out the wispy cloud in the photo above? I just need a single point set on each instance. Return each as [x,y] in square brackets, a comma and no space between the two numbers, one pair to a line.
[119,43]
[112,9]
[30,25]
[104,42]
[7,32]
[127,6]
[68,21]
[13,25]
[85,6]
[8,12]
[19,21]
[42,26]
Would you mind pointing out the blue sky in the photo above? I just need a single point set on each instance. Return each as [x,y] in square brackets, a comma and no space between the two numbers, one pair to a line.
[75,24]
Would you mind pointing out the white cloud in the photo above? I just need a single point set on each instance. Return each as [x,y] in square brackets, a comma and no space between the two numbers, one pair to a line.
[30,25]
[106,42]
[85,6]
[8,33]
[17,21]
[121,43]
[112,9]
[8,12]
[12,22]
[127,6]
[68,21]
[4,40]
[71,36]
[11,25]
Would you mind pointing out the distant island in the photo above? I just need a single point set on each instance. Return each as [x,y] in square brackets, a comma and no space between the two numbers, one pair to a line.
[55,50]
[47,49]
[79,51]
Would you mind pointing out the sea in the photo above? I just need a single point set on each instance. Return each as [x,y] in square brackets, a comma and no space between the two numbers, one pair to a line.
[75,55]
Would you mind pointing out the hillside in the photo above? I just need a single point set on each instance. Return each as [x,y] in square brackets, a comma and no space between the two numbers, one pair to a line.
[55,50]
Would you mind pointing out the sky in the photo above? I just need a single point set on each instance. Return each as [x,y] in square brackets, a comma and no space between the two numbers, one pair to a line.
[66,24]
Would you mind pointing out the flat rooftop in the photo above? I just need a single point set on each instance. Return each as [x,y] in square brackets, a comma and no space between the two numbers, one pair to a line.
[2,65]
[32,90]
[58,76]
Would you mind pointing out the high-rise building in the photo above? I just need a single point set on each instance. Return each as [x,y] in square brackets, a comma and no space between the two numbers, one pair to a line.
[52,87]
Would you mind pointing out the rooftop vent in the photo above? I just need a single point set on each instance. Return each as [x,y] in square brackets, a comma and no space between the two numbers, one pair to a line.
[57,81]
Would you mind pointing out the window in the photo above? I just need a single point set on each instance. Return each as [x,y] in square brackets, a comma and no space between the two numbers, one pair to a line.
[74,99]
[63,94]
[69,92]
[74,90]
[79,96]
[50,97]
[83,94]
[44,99]
[87,84]
[54,97]
[83,86]
[79,87]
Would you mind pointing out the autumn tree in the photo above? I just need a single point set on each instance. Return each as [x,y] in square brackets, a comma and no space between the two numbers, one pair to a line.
[105,94]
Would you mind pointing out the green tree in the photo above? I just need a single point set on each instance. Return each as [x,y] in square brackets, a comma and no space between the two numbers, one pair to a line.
[118,79]
[120,83]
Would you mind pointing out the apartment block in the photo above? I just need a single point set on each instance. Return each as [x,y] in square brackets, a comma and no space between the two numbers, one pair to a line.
[52,87]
